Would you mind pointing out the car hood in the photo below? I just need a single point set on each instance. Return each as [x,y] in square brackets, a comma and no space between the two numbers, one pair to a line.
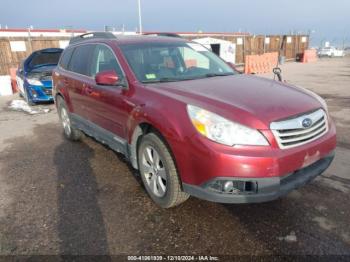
[250,100]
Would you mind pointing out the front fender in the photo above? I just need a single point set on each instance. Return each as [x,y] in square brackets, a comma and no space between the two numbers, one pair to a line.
[171,123]
[161,122]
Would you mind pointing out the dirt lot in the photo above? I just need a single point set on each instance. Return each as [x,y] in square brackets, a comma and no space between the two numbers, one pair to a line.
[59,197]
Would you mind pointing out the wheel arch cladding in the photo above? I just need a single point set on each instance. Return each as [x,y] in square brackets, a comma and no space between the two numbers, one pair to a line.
[144,119]
[141,129]
[63,92]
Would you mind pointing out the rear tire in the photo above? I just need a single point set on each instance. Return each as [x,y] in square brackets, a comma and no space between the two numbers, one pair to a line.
[158,172]
[69,131]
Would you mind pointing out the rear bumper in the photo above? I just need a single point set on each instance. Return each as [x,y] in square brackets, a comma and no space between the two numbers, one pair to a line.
[267,189]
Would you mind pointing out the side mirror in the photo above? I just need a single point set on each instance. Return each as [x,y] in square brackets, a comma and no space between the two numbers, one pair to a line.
[107,78]
[232,65]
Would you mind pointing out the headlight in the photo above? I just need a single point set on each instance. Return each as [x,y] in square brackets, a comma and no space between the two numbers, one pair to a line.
[34,82]
[223,131]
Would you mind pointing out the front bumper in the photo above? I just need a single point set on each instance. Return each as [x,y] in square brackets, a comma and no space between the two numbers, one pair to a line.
[39,93]
[266,189]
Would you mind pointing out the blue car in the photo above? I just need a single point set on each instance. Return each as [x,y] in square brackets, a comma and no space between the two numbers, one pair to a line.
[34,76]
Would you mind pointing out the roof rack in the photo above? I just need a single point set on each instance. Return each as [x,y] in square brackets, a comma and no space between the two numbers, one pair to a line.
[163,34]
[92,35]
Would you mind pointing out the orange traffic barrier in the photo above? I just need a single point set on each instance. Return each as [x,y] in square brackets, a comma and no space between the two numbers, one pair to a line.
[259,64]
[13,79]
[309,55]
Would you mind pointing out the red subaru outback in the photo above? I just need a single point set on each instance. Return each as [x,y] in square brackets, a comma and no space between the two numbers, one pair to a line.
[188,122]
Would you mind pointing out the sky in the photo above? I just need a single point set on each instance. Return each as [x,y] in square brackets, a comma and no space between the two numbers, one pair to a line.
[328,20]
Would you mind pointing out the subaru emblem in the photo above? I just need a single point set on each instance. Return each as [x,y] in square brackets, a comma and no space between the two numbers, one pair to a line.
[307,122]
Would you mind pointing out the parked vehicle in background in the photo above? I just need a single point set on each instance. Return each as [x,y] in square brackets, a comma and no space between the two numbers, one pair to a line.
[331,52]
[188,122]
[34,75]
[347,50]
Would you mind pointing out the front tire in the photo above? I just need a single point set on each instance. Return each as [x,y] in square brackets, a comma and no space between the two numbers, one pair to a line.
[70,132]
[158,172]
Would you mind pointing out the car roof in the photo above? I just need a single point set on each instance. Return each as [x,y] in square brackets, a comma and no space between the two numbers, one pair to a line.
[133,39]
[148,39]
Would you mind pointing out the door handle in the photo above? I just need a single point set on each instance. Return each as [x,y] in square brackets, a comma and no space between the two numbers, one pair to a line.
[88,89]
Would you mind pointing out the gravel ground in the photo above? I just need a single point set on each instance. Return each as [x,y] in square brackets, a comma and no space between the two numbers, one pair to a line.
[60,197]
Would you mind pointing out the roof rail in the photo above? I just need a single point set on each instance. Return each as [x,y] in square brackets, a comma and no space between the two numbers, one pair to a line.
[164,34]
[92,35]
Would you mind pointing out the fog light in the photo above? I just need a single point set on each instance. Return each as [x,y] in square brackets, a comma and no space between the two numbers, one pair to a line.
[233,186]
[228,186]
[34,93]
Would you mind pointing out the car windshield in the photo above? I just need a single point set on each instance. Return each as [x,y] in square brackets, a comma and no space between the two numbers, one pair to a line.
[45,58]
[173,61]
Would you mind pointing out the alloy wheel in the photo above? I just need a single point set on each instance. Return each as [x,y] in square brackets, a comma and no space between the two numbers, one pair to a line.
[154,171]
[65,121]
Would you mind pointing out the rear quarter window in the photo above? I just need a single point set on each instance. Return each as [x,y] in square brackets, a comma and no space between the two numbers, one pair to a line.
[80,60]
[66,56]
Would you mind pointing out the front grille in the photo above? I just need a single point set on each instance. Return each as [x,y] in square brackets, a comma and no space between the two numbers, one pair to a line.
[291,132]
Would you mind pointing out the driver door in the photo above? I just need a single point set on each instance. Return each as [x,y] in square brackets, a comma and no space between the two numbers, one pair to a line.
[106,103]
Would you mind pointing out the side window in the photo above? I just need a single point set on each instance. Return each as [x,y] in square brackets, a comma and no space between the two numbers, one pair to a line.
[103,59]
[80,59]
[64,61]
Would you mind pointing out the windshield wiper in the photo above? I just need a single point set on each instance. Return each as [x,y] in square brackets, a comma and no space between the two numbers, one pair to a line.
[218,74]
[169,79]
[161,80]
[173,79]
[165,79]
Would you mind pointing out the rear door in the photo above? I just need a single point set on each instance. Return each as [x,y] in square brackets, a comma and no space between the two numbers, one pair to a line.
[79,79]
[106,104]
[61,75]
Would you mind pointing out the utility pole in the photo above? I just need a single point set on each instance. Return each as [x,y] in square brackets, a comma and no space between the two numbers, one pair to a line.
[140,19]
[30,40]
